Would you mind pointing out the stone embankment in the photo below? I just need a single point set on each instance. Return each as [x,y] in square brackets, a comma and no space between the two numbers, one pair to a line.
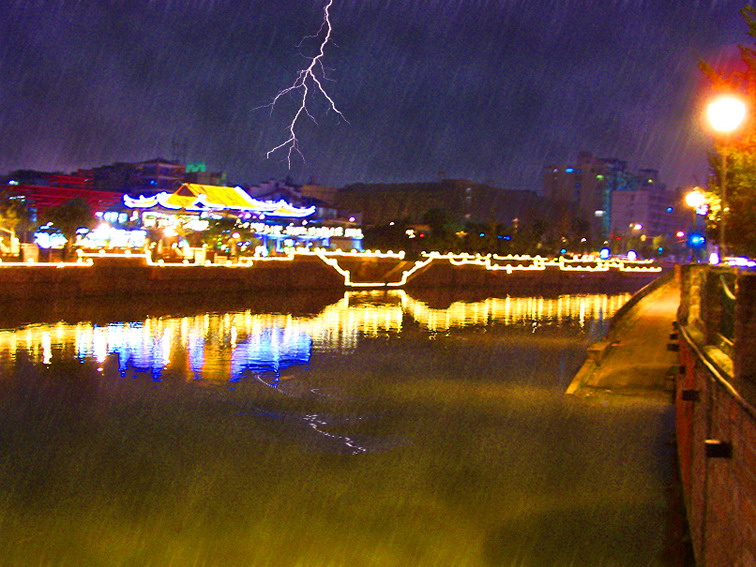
[106,275]
[548,278]
[715,411]
[134,276]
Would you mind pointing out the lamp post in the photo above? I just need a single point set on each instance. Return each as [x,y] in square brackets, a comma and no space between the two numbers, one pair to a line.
[695,199]
[725,115]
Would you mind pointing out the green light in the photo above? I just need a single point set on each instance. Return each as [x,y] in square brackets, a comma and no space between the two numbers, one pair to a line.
[196,167]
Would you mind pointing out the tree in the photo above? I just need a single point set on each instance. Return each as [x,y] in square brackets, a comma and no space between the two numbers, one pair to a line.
[580,236]
[219,231]
[15,216]
[441,223]
[531,238]
[68,218]
[741,152]
[440,220]
[224,234]
[387,237]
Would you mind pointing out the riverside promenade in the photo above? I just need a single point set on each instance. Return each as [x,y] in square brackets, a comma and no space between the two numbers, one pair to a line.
[688,342]
[633,366]
[634,358]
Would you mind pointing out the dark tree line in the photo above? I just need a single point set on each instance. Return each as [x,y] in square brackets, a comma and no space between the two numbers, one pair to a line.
[18,219]
[438,232]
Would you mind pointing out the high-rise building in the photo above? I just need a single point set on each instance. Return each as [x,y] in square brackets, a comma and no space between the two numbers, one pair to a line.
[611,197]
[587,184]
[196,172]
[651,208]
[149,176]
[159,175]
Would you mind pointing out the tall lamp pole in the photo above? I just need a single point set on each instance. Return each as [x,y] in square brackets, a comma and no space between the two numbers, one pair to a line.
[725,114]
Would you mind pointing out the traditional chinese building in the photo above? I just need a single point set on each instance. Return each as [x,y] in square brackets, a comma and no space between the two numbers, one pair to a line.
[276,223]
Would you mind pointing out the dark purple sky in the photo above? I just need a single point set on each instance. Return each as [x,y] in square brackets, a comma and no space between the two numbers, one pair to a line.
[490,90]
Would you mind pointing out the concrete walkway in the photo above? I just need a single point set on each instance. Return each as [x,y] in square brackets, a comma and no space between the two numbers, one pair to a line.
[634,359]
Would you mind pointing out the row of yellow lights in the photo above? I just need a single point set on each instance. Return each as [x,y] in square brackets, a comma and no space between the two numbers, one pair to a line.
[538,263]
[329,257]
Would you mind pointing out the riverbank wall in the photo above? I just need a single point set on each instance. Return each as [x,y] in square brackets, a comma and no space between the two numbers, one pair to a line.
[715,403]
[533,277]
[103,275]
[135,276]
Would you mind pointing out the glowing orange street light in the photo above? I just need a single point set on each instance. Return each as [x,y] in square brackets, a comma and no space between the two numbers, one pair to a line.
[725,115]
[695,198]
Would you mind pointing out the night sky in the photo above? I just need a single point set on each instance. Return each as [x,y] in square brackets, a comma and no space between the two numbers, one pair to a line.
[488,90]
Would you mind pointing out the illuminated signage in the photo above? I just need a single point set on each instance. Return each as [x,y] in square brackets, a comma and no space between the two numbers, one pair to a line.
[320,232]
[196,167]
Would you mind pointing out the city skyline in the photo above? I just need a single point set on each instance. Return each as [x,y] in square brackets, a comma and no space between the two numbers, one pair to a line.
[489,91]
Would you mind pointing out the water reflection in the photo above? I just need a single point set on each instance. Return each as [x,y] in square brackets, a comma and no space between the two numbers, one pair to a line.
[232,345]
[516,310]
[375,427]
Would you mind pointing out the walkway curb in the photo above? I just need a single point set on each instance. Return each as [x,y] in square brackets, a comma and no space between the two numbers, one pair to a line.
[598,352]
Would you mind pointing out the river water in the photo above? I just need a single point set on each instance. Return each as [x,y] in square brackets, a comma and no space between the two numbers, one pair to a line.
[373,428]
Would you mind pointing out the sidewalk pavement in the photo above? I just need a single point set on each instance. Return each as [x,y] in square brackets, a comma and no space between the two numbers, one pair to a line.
[634,359]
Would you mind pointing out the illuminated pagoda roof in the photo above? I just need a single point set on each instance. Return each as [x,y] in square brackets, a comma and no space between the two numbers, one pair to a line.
[195,197]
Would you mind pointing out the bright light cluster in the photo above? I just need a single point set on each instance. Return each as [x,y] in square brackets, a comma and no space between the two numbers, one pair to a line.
[539,263]
[334,263]
[265,345]
[351,253]
[514,310]
[490,262]
[79,263]
[203,202]
[726,113]
[319,232]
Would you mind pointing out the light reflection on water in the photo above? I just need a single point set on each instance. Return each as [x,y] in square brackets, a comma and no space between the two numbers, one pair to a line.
[229,346]
[375,430]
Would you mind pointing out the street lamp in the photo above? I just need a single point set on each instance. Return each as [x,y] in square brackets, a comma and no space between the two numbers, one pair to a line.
[695,199]
[725,115]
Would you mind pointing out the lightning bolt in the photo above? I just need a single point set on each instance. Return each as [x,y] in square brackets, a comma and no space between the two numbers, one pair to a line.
[307,81]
